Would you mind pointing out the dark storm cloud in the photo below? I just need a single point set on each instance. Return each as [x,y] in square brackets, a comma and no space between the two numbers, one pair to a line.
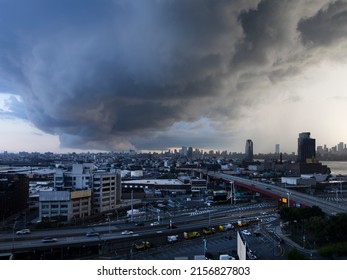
[265,31]
[114,74]
[327,26]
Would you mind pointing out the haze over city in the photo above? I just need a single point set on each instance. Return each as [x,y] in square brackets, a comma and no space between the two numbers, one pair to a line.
[151,75]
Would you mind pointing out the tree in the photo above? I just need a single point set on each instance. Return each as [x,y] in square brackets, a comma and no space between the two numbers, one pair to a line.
[294,254]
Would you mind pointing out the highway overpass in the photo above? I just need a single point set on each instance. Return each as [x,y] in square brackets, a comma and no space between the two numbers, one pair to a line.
[278,192]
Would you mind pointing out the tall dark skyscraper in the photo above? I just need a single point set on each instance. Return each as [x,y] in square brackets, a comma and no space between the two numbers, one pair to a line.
[306,147]
[249,150]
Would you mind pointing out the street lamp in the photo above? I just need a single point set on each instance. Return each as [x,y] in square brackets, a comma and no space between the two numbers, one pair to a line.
[12,247]
[209,218]
[132,206]
[288,194]
[109,223]
[131,251]
[232,193]
[170,222]
[204,244]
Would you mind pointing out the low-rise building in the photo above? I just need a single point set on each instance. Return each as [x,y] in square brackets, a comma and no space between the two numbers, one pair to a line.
[64,205]
[140,187]
[295,181]
[55,205]
[81,203]
[106,191]
[14,194]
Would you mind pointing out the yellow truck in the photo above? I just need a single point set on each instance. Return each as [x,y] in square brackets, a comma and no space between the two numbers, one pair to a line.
[209,230]
[192,234]
[143,245]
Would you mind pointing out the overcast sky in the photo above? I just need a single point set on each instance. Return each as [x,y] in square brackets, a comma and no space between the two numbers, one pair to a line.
[156,74]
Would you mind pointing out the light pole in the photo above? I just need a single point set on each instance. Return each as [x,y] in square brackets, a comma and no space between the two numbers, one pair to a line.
[109,224]
[170,222]
[132,206]
[131,251]
[209,218]
[232,193]
[12,247]
[288,194]
[204,244]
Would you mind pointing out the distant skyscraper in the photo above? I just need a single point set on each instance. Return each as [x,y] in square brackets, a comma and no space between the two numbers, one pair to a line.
[277,148]
[190,152]
[306,147]
[184,151]
[249,150]
[340,147]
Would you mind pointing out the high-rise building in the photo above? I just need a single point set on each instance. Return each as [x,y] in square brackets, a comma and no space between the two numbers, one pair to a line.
[277,149]
[306,147]
[340,147]
[249,150]
[190,152]
[184,151]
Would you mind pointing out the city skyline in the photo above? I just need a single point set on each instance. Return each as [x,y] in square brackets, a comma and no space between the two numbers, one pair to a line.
[156,75]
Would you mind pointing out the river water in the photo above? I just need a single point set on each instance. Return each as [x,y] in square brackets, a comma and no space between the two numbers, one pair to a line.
[336,167]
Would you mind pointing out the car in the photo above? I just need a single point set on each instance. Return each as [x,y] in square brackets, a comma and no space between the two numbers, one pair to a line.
[171,226]
[92,233]
[140,224]
[226,257]
[23,231]
[246,232]
[154,224]
[127,232]
[49,240]
[228,236]
[228,226]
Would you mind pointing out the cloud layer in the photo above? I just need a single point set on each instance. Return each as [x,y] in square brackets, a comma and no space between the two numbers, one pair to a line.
[154,74]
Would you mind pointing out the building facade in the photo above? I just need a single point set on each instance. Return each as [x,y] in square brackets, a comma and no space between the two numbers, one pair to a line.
[105,186]
[249,150]
[81,203]
[55,205]
[306,147]
[64,206]
[106,191]
[14,194]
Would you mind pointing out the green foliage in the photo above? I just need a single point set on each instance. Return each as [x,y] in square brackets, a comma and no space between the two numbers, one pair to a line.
[329,232]
[292,213]
[294,254]
[335,250]
[337,228]
[317,226]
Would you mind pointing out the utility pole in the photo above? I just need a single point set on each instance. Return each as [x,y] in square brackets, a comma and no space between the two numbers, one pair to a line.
[232,193]
[12,247]
[132,206]
[204,244]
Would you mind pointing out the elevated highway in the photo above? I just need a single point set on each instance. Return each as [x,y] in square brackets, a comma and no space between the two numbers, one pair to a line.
[277,192]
